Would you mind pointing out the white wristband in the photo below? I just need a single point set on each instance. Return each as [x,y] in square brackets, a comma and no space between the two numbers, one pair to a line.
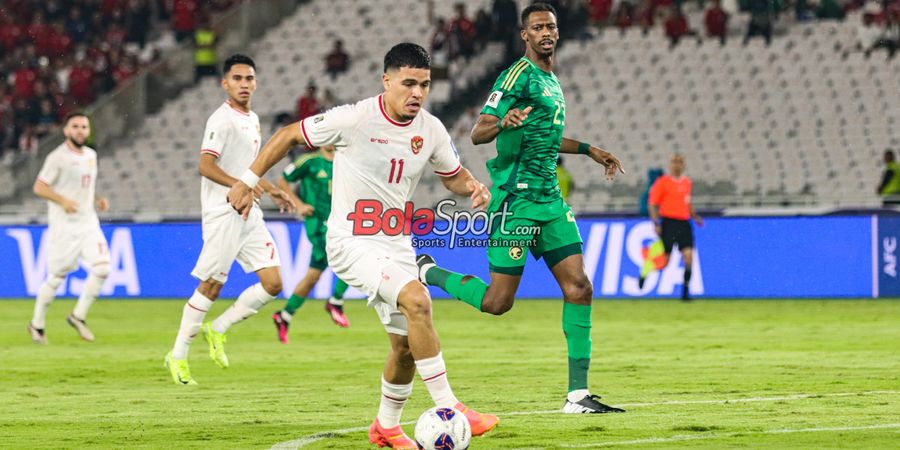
[249,178]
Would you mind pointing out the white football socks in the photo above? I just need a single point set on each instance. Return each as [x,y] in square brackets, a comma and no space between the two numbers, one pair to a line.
[46,294]
[191,318]
[393,397]
[434,375]
[577,395]
[248,303]
[88,295]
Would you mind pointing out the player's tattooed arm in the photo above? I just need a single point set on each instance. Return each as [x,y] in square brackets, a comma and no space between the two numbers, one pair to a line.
[489,126]
[240,195]
[43,190]
[463,183]
[302,209]
[609,161]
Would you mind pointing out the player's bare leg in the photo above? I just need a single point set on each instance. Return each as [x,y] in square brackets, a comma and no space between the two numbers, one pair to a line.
[282,318]
[192,316]
[687,254]
[414,303]
[576,322]
[88,295]
[45,296]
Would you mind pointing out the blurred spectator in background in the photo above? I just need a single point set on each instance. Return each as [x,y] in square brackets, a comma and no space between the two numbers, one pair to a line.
[504,22]
[890,180]
[566,182]
[205,58]
[308,103]
[138,21]
[716,20]
[645,17]
[440,47]
[482,29]
[652,174]
[830,9]
[624,16]
[328,100]
[762,15]
[337,61]
[184,18]
[462,34]
[599,12]
[677,26]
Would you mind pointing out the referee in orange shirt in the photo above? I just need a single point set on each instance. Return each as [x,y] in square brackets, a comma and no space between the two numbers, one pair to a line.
[671,211]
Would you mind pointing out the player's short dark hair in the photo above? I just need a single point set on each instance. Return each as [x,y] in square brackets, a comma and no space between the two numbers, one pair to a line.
[235,59]
[536,7]
[407,54]
[73,115]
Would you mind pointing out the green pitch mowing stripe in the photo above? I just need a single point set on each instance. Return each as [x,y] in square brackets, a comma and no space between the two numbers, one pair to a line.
[673,363]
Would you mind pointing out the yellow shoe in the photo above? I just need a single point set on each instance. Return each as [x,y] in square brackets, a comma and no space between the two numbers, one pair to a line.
[181,373]
[216,343]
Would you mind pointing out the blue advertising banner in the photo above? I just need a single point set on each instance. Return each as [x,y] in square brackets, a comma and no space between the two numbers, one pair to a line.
[887,236]
[734,257]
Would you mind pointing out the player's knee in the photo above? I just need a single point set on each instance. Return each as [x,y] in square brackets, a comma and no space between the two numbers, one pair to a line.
[54,280]
[273,287]
[416,303]
[579,291]
[497,305]
[100,270]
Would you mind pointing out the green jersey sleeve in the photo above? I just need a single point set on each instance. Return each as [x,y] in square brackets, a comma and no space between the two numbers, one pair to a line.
[508,89]
[299,168]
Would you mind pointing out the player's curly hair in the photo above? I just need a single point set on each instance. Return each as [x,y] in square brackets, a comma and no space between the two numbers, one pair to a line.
[236,59]
[407,54]
[536,7]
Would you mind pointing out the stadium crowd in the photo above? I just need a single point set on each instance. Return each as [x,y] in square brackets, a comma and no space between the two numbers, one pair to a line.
[57,56]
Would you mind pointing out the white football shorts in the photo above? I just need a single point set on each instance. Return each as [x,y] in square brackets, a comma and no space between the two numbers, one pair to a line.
[379,269]
[67,244]
[228,237]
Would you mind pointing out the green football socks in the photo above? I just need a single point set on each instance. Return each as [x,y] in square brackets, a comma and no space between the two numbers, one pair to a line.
[339,289]
[468,288]
[294,303]
[576,323]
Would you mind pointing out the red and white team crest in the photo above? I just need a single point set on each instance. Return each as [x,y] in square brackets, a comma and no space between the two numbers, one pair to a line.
[416,143]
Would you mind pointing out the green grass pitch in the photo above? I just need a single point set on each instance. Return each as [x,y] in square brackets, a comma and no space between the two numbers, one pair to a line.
[711,374]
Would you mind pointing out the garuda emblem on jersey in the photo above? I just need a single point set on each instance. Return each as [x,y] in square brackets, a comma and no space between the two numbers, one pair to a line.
[416,143]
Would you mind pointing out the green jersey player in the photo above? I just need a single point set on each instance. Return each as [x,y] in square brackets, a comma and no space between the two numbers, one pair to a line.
[312,174]
[526,114]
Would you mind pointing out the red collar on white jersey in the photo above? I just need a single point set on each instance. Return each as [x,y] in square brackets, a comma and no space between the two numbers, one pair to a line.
[228,102]
[387,117]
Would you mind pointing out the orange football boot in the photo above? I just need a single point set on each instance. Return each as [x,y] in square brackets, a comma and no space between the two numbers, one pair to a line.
[480,423]
[390,437]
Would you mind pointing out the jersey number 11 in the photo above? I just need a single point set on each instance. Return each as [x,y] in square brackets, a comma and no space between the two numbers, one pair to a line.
[396,166]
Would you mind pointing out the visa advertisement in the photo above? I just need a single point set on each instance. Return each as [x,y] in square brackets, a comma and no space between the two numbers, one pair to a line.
[812,257]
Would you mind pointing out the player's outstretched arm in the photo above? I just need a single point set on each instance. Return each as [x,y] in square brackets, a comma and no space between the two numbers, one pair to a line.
[241,193]
[281,198]
[488,126]
[606,159]
[44,191]
[463,183]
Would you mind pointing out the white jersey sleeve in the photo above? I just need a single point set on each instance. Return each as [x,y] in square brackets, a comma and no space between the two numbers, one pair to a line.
[445,159]
[331,127]
[50,170]
[215,136]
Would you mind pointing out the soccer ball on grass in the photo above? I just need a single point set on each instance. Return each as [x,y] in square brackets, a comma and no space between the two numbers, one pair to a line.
[443,429]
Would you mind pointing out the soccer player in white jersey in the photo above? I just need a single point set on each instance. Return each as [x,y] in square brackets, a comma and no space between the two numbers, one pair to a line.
[230,143]
[67,180]
[384,144]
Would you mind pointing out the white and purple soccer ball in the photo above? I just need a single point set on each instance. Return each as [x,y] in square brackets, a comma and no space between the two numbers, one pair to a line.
[443,429]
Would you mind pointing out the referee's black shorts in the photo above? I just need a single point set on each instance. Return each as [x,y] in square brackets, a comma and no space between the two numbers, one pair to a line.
[676,231]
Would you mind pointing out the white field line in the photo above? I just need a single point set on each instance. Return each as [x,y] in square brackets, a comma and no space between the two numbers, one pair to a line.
[697,437]
[303,441]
